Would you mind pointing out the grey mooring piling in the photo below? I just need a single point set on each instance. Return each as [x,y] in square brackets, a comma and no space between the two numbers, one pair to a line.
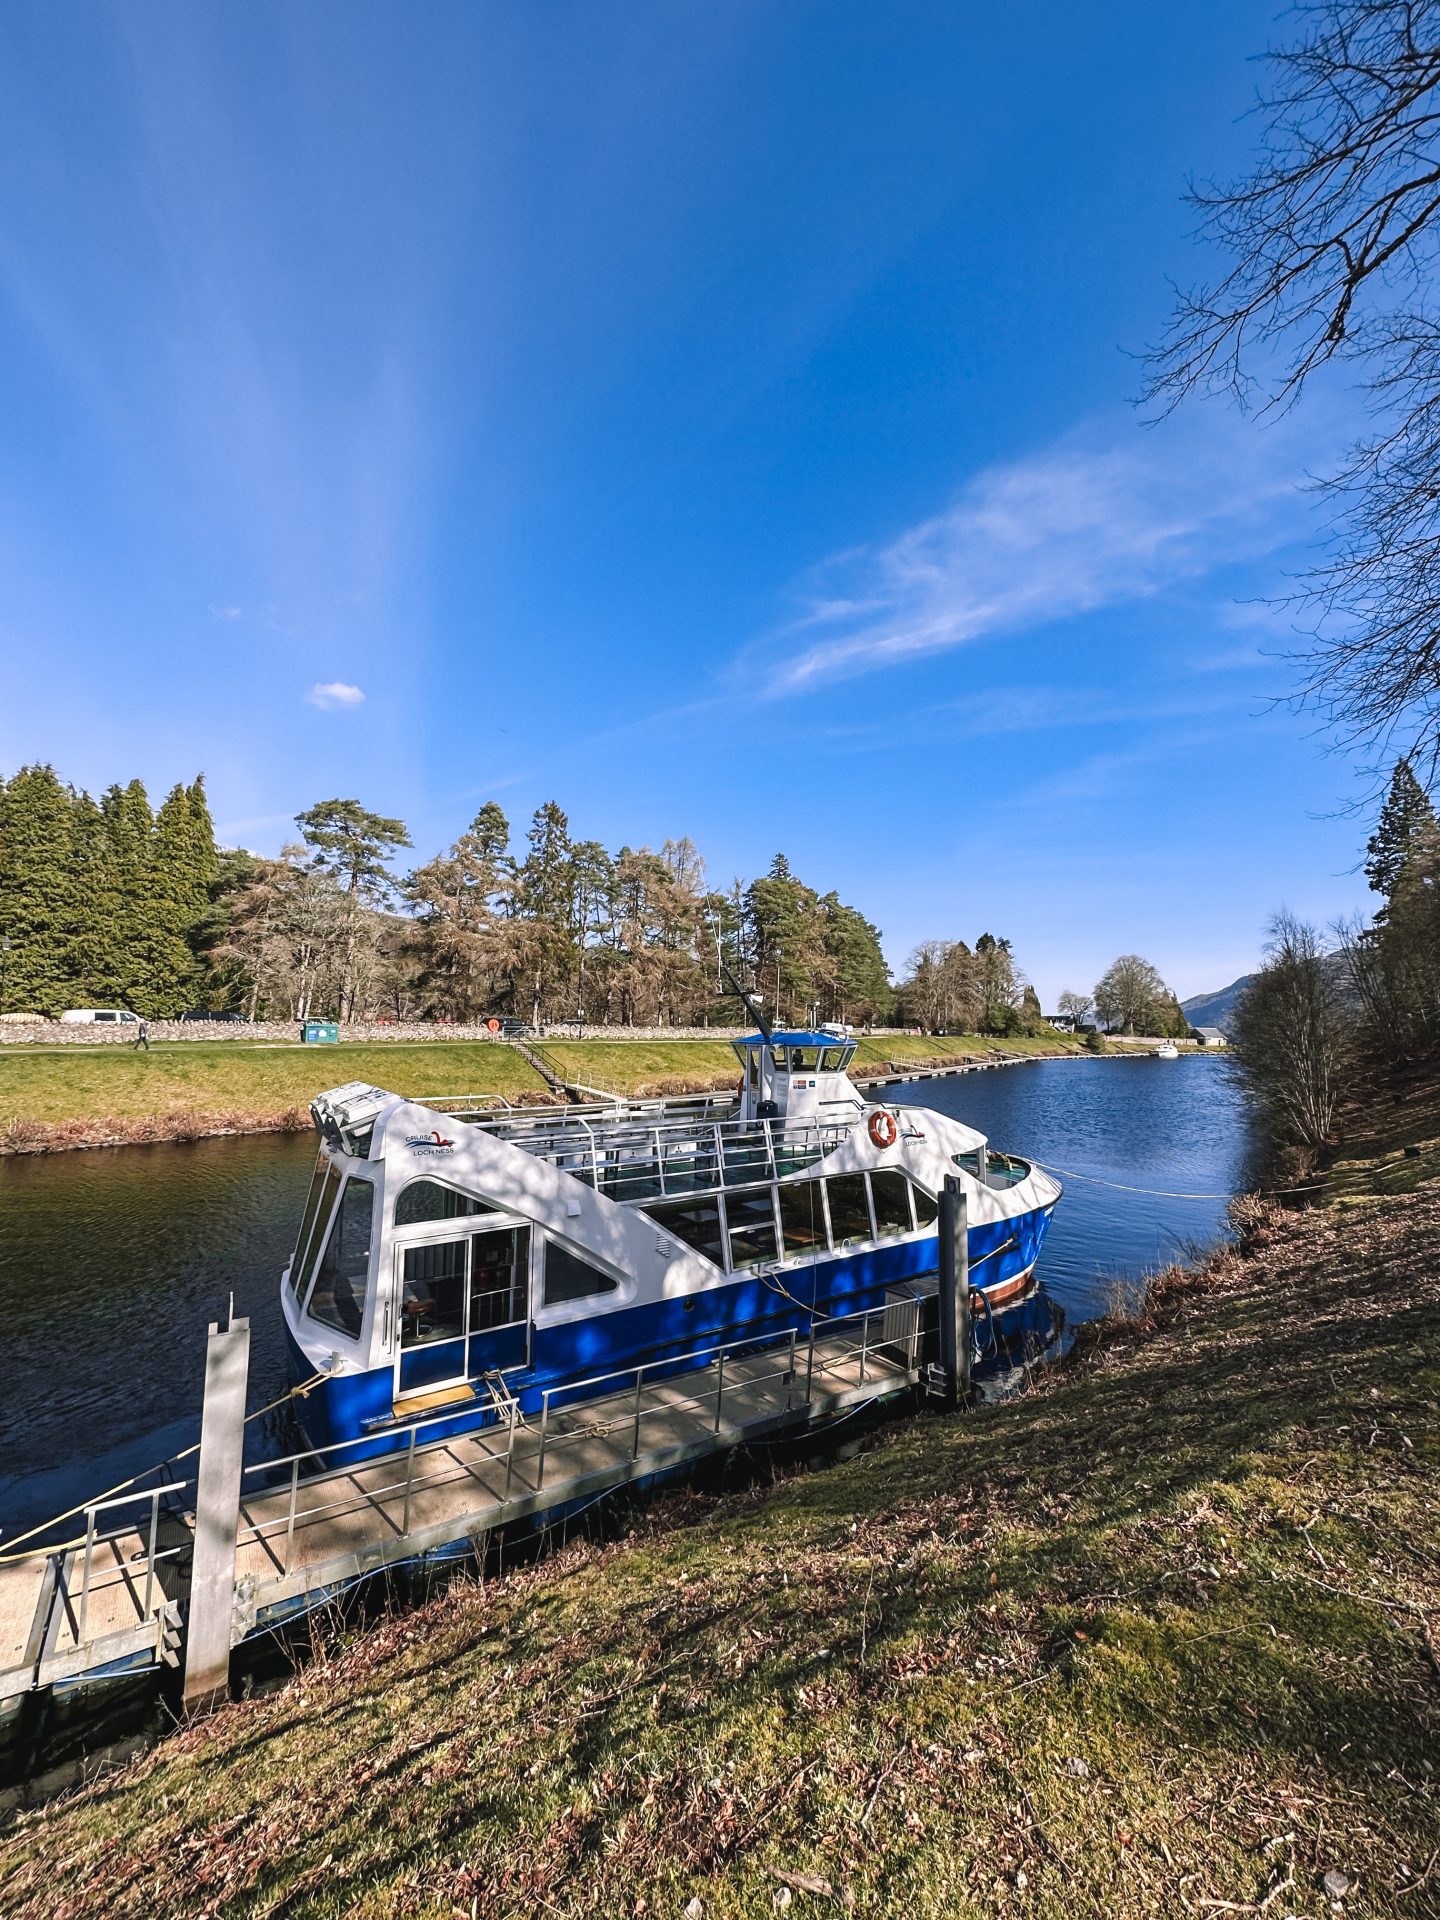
[217,1515]
[955,1335]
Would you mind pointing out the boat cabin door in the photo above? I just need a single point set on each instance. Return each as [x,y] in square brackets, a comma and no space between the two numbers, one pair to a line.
[463,1301]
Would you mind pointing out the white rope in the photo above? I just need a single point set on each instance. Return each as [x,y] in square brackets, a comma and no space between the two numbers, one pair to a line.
[1164,1193]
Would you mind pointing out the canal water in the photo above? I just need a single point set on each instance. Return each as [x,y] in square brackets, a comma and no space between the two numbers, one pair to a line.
[113,1262]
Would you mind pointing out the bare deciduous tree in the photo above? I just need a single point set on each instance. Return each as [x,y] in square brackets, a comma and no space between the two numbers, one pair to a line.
[1333,239]
[1290,1041]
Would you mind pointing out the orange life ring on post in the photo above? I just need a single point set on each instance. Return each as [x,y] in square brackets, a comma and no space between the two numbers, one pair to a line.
[883,1130]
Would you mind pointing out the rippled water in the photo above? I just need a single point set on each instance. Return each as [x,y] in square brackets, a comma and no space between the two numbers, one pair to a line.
[1172,1127]
[113,1262]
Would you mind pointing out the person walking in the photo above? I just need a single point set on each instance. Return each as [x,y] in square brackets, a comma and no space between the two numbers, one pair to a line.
[142,1037]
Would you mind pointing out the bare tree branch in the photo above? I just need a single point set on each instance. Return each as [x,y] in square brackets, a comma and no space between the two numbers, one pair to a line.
[1335,240]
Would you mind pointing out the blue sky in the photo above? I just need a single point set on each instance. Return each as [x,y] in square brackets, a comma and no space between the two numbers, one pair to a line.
[715,418]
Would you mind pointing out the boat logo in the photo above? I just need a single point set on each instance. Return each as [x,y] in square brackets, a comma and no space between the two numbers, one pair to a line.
[430,1143]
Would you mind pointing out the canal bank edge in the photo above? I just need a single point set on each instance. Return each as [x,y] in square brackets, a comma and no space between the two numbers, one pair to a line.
[1160,1636]
[107,1097]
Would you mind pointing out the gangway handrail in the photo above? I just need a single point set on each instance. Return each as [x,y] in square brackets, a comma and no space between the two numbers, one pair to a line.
[823,1327]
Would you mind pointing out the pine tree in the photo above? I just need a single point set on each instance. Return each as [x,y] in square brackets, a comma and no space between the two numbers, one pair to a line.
[37,892]
[97,958]
[1407,808]
[182,866]
[349,841]
[131,828]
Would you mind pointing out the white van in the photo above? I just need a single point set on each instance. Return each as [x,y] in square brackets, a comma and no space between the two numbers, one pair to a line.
[95,1016]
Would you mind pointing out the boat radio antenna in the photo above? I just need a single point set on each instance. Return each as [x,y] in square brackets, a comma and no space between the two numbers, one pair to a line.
[752,1007]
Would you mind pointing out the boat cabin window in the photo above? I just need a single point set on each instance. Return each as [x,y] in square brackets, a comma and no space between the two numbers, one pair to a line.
[324,1185]
[338,1296]
[499,1278]
[802,1216]
[890,1191]
[803,1060]
[426,1200]
[568,1277]
[432,1292]
[750,1215]
[696,1222]
[927,1207]
[849,1209]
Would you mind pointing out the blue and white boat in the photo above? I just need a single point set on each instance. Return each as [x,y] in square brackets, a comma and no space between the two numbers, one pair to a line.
[478,1261]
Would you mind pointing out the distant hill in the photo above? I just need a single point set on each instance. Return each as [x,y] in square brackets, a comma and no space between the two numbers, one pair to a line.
[1216,1009]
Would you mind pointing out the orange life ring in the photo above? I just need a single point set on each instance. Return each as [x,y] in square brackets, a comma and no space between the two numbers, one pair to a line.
[883,1130]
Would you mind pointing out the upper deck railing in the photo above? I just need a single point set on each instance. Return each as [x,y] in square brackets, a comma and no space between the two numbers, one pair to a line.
[662,1150]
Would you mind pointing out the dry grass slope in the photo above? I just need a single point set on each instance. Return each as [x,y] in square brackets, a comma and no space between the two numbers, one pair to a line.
[1159,1638]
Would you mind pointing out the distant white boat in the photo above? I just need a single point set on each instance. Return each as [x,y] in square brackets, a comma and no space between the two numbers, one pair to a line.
[1167,1051]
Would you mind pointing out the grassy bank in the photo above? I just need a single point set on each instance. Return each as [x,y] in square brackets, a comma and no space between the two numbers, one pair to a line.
[641,1067]
[78,1095]
[1158,1638]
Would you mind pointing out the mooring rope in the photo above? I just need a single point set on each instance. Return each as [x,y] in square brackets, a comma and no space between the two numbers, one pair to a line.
[1165,1193]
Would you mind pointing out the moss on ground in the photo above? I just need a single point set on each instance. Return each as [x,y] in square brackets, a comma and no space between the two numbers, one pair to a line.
[1157,1638]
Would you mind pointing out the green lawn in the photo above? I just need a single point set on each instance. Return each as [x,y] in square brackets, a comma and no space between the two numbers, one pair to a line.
[641,1066]
[87,1084]
[902,1047]
[1151,1640]
[231,1081]
[669,1066]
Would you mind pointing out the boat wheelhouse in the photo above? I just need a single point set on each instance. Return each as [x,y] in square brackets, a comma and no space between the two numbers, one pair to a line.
[454,1258]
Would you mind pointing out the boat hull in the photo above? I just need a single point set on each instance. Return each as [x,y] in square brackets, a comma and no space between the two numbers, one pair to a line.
[672,1335]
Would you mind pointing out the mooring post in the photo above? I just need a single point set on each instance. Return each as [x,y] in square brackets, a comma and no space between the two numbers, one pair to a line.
[217,1516]
[955,1288]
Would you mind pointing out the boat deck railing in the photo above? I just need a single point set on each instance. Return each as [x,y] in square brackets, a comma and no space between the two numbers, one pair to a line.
[576,1413]
[116,1589]
[664,1150]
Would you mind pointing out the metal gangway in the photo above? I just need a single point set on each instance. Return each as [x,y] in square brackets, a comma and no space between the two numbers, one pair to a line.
[121,1593]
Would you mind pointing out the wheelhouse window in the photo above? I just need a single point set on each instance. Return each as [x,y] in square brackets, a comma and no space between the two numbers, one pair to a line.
[802,1217]
[927,1207]
[425,1200]
[849,1209]
[890,1190]
[338,1296]
[696,1222]
[324,1187]
[750,1215]
[569,1277]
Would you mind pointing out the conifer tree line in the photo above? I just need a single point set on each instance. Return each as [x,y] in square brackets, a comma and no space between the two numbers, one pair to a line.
[113,903]
[103,903]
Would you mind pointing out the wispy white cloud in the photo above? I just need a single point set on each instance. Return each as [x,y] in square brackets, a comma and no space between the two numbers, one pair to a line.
[226,613]
[330,695]
[1094,520]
